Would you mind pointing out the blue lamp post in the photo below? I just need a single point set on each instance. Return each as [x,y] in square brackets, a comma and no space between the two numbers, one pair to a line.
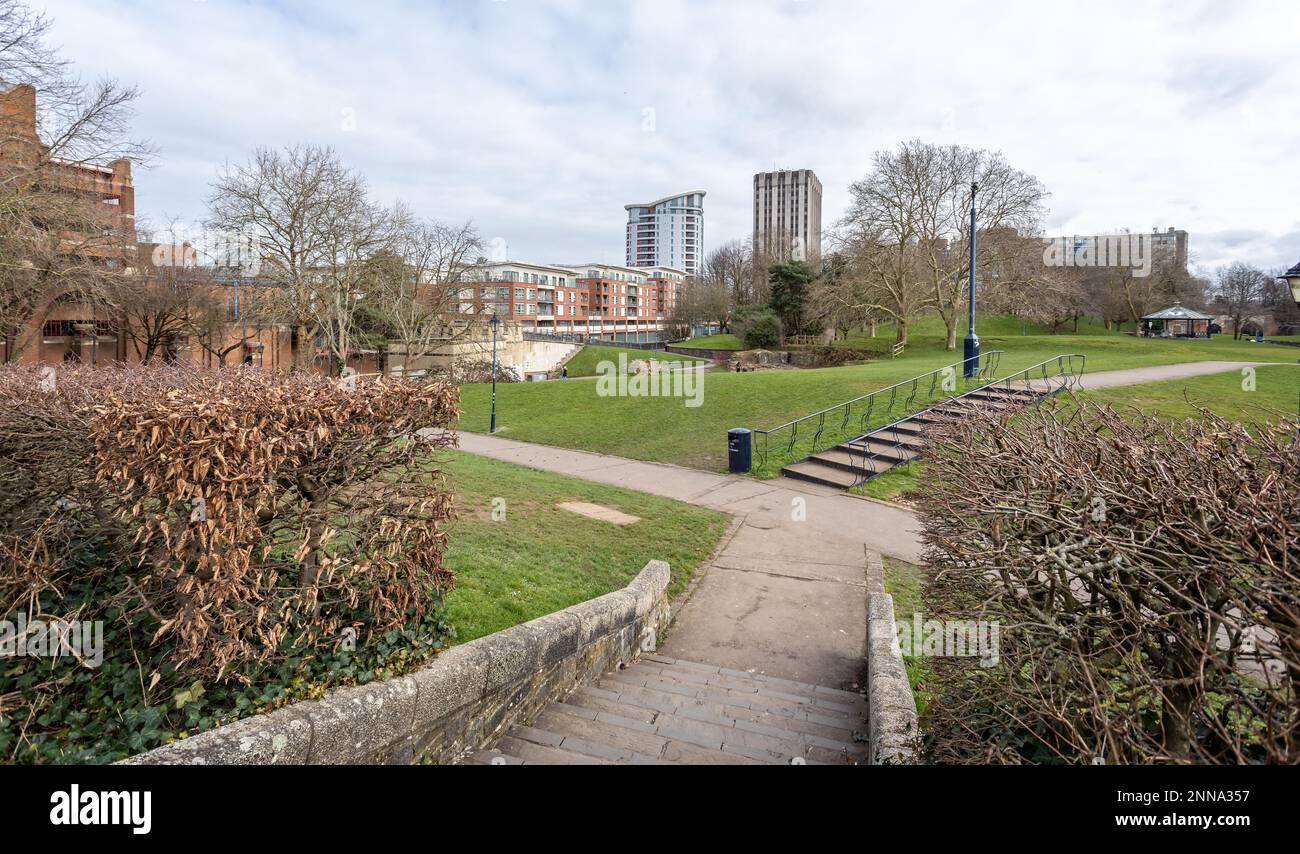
[971,366]
[494,322]
[1292,277]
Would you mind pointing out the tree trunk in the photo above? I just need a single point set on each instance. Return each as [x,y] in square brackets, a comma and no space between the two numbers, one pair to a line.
[872,329]
[900,331]
[952,332]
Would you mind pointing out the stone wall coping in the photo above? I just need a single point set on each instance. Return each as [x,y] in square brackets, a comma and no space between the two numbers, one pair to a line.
[890,703]
[353,724]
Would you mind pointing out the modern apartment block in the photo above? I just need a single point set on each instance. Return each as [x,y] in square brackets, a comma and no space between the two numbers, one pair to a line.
[788,216]
[1163,247]
[596,300]
[668,232]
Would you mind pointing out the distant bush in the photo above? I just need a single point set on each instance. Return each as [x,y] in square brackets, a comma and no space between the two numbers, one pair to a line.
[246,538]
[480,371]
[764,334]
[758,327]
[1146,578]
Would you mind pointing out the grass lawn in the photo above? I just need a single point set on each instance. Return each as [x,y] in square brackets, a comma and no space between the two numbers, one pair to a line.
[725,341]
[1273,397]
[904,581]
[894,483]
[584,362]
[540,558]
[663,429]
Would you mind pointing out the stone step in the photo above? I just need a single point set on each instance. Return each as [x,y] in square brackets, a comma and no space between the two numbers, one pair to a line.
[881,448]
[533,753]
[661,710]
[852,461]
[742,680]
[815,472]
[736,696]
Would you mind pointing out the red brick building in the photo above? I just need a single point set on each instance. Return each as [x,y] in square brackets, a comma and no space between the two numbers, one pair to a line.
[594,300]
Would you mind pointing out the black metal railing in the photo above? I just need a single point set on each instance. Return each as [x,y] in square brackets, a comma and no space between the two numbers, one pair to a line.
[814,433]
[1034,384]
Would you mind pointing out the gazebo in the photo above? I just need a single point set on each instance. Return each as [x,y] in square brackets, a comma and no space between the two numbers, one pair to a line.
[1176,322]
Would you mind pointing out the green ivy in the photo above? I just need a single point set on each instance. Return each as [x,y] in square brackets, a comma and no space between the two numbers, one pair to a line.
[139,699]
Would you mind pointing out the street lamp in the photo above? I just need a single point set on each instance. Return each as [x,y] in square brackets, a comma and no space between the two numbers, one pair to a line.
[494,322]
[971,366]
[1292,277]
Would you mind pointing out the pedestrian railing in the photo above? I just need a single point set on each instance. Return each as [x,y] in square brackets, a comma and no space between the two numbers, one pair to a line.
[811,434]
[1041,381]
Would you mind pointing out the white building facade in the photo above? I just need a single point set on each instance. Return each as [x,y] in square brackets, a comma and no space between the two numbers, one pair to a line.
[667,232]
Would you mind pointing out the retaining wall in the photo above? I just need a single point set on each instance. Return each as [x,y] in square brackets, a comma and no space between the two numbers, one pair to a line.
[460,701]
[890,704]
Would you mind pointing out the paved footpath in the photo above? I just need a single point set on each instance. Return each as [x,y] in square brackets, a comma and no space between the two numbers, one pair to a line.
[786,595]
[1133,376]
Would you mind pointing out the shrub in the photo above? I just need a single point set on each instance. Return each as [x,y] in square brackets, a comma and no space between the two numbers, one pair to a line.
[1147,581]
[480,371]
[232,529]
[764,334]
[758,327]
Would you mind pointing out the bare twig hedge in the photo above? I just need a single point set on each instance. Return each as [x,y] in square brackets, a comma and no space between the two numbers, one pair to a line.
[245,518]
[1146,578]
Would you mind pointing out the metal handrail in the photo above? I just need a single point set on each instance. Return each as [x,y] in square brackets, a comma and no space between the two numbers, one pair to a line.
[1065,368]
[989,361]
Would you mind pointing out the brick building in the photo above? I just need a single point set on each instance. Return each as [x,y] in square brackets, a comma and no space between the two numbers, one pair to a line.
[71,329]
[596,300]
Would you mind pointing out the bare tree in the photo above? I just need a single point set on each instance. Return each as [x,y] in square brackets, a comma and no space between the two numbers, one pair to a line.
[730,268]
[1239,290]
[313,224]
[877,282]
[414,290]
[917,200]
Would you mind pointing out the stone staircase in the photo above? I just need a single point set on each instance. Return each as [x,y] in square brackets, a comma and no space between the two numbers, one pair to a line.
[858,460]
[663,711]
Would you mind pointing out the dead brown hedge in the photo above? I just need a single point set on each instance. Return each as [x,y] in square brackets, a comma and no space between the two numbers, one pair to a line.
[1146,578]
[242,509]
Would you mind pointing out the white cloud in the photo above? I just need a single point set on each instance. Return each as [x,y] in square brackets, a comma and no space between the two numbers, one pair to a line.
[528,117]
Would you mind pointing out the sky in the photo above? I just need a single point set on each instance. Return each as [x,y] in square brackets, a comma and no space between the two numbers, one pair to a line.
[539,120]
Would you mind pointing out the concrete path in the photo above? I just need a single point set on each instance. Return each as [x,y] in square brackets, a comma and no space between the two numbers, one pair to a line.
[1133,376]
[786,595]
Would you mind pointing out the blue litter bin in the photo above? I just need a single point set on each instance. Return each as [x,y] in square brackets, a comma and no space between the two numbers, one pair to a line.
[739,450]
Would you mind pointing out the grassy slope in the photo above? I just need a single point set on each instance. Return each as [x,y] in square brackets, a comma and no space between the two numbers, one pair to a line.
[1275,395]
[583,363]
[904,581]
[541,558]
[1276,390]
[725,341]
[663,429]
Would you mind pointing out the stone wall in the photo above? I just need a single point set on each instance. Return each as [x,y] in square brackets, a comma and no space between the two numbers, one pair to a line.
[459,702]
[890,704]
[703,353]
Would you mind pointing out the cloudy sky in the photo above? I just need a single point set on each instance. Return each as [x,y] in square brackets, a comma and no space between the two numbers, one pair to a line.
[540,119]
